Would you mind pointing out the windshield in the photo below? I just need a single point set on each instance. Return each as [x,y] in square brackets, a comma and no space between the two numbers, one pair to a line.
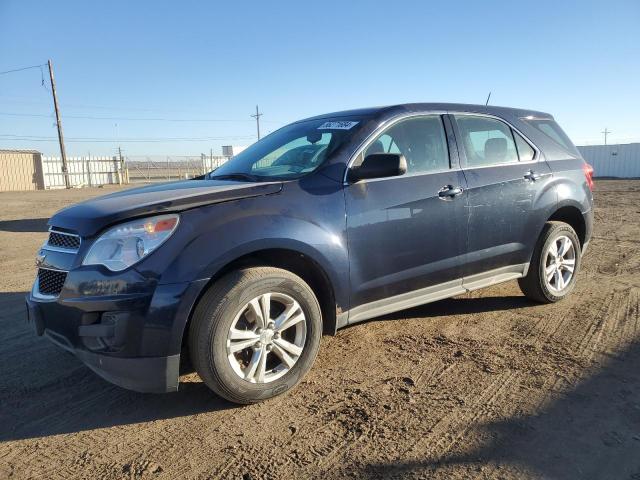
[291,151]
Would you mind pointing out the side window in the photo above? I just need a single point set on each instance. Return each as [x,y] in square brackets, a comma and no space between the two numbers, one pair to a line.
[384,144]
[486,141]
[525,151]
[421,140]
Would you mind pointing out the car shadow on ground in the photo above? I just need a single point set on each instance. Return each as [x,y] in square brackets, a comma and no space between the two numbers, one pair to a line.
[455,306]
[590,431]
[462,306]
[31,225]
[47,391]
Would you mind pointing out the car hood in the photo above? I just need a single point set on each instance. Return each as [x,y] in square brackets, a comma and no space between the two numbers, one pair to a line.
[91,216]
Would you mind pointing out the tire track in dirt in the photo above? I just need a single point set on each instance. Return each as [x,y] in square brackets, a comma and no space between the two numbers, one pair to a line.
[442,436]
[435,441]
[439,441]
[336,438]
[426,378]
[621,330]
[594,329]
[614,326]
[480,411]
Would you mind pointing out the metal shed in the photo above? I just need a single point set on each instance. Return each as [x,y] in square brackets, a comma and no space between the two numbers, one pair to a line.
[21,170]
[619,161]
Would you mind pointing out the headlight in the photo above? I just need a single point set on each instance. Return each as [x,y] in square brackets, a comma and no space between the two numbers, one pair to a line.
[128,243]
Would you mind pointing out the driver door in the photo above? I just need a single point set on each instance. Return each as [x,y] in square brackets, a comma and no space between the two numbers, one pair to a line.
[407,241]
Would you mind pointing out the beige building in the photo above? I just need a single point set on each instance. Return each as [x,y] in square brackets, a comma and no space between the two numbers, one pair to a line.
[21,170]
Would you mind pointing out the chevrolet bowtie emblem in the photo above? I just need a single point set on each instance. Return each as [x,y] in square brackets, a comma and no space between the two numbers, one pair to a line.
[40,259]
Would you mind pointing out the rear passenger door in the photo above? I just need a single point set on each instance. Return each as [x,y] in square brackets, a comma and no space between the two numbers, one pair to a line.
[504,174]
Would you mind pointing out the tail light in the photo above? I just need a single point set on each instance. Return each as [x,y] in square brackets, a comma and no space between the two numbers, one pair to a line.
[588,175]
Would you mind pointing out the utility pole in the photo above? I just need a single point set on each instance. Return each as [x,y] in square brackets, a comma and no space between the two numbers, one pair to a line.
[257,117]
[63,153]
[121,159]
[606,132]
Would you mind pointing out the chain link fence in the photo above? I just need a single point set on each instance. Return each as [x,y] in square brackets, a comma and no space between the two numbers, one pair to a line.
[145,169]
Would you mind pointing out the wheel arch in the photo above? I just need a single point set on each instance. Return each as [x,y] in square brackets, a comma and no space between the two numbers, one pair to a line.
[295,261]
[571,215]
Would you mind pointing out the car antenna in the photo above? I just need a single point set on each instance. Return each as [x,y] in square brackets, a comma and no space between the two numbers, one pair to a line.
[488,97]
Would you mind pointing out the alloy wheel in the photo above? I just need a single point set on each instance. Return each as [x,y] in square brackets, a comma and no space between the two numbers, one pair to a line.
[560,261]
[266,338]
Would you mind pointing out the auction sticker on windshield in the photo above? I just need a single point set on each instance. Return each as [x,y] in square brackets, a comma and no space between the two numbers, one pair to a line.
[344,125]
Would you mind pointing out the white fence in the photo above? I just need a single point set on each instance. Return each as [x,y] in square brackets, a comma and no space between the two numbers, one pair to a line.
[96,171]
[83,171]
[618,161]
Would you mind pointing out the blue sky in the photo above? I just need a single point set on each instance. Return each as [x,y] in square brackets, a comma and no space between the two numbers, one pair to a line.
[184,76]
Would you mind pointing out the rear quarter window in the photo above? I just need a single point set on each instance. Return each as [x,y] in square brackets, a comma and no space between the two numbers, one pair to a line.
[552,130]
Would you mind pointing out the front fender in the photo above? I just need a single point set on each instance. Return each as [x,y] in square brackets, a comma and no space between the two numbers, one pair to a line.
[300,220]
[328,251]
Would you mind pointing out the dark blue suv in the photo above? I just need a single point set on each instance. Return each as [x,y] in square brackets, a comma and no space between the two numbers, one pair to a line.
[324,223]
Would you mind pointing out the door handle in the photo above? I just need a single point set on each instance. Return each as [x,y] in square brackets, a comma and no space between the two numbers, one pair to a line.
[449,191]
[531,175]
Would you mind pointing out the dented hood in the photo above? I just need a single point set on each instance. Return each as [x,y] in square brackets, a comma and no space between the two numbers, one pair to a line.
[89,217]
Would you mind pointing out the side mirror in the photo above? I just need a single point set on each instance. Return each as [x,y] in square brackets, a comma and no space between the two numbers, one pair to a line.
[379,165]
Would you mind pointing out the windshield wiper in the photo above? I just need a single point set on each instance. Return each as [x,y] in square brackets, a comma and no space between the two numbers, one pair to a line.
[235,176]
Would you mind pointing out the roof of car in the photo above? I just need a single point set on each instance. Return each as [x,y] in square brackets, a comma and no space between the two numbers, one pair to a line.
[391,110]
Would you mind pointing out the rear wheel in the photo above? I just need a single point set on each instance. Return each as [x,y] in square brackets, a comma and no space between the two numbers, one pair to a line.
[554,265]
[255,333]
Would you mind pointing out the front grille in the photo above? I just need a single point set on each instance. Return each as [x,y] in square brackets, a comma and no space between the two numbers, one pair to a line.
[50,282]
[64,240]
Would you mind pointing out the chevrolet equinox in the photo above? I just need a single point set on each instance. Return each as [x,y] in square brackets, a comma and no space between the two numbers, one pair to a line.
[324,223]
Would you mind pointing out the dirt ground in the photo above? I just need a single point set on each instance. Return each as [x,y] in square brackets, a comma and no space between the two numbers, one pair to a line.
[485,385]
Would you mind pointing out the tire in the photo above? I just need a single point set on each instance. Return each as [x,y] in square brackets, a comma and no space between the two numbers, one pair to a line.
[230,302]
[536,284]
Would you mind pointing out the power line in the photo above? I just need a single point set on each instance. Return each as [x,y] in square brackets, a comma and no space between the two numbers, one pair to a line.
[149,119]
[23,68]
[93,117]
[220,137]
[38,138]
[29,101]
[11,114]
[123,141]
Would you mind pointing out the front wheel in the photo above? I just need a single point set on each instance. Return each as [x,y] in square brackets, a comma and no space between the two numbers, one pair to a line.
[554,265]
[255,334]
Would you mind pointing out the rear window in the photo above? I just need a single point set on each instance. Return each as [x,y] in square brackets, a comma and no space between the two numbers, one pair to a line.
[552,130]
